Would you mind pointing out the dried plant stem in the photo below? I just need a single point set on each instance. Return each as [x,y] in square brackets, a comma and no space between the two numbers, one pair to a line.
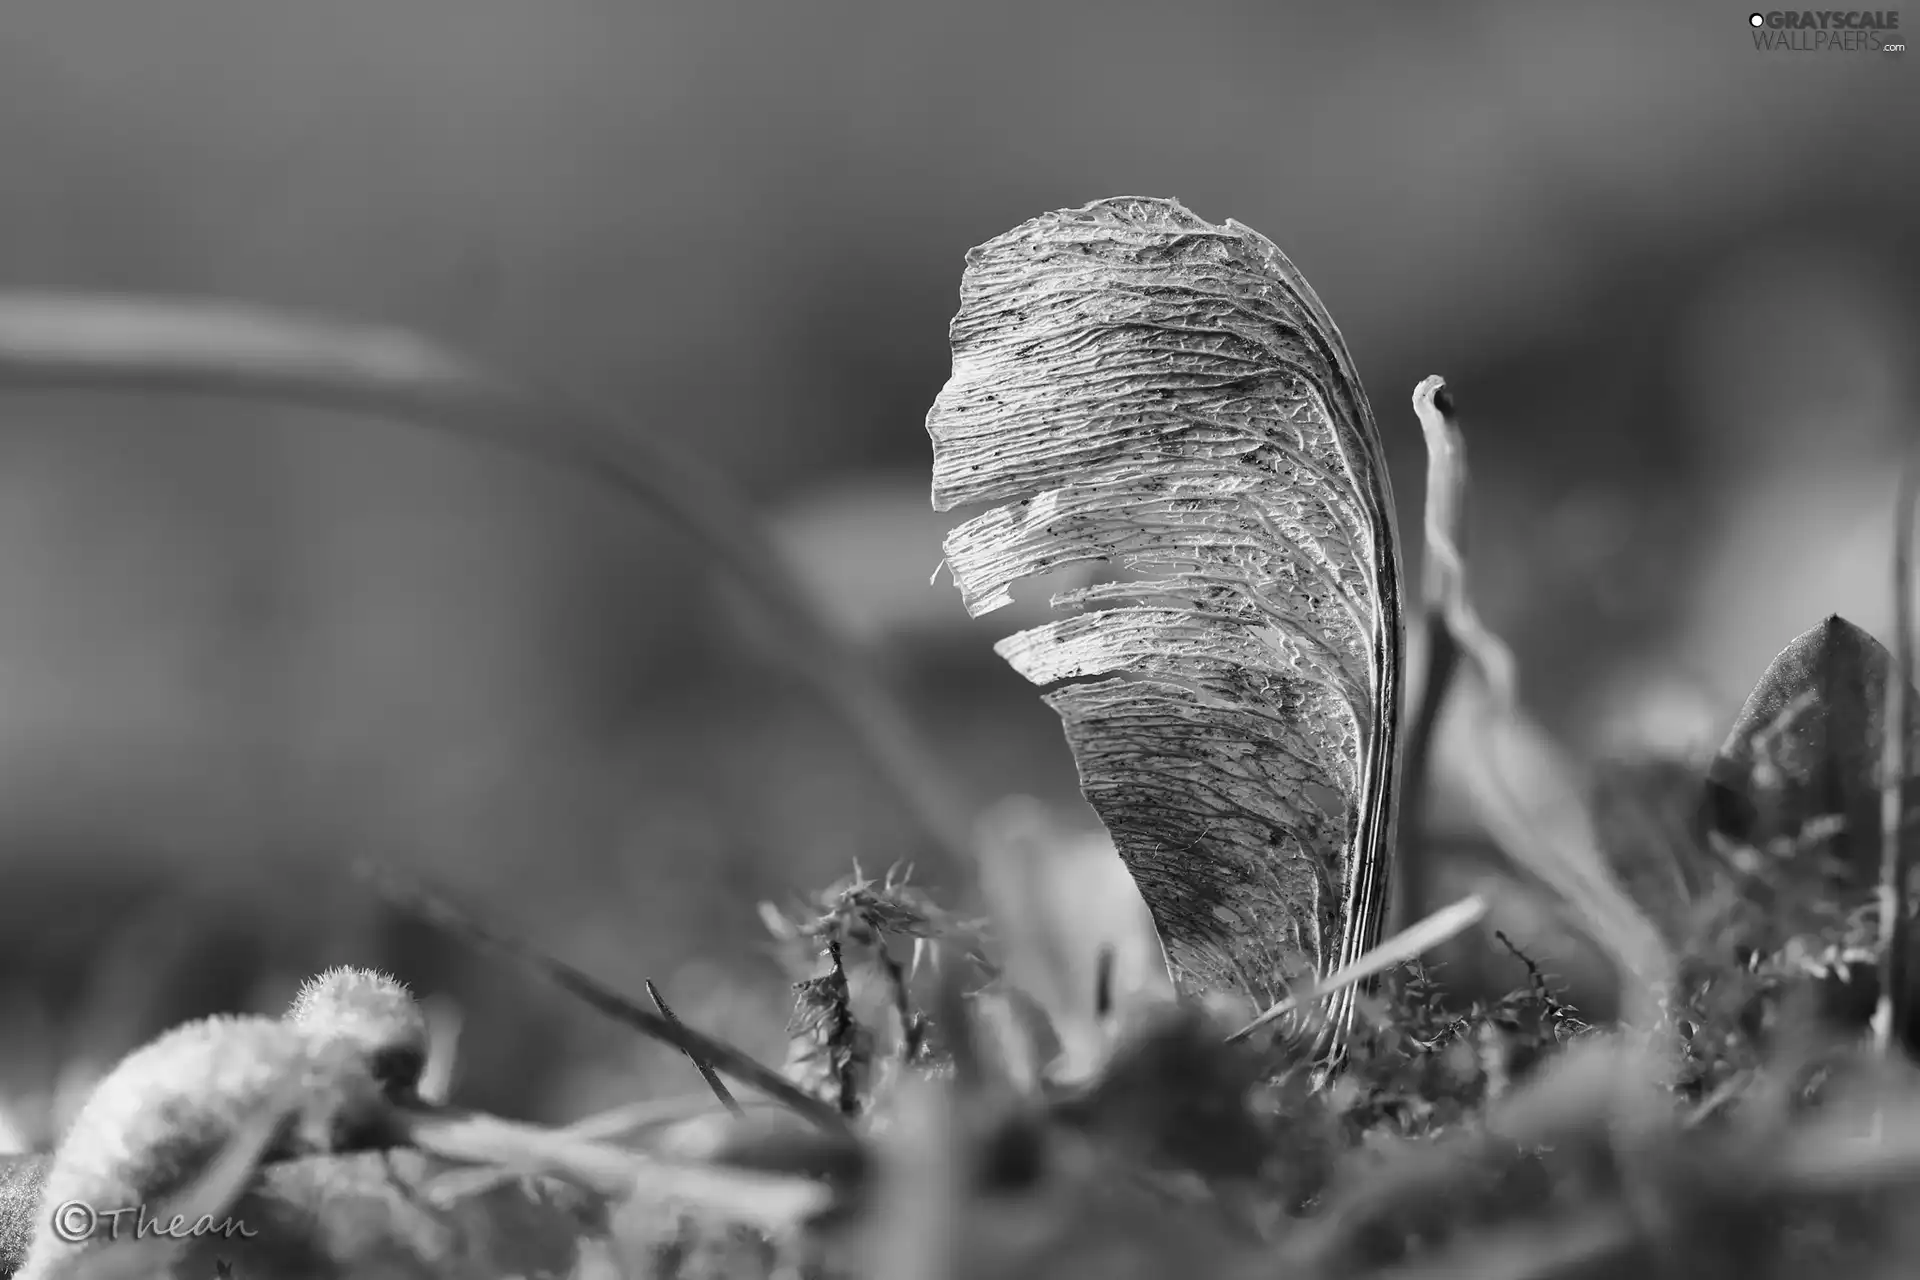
[111,343]
[705,1068]
[770,1201]
[1440,584]
[695,1044]
[955,1017]
[910,1025]
[1524,788]
[1443,576]
[1410,877]
[1891,1012]
[840,1037]
[624,1121]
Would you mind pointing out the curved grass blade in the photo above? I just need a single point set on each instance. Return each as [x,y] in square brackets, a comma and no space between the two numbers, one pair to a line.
[1136,386]
[438,911]
[111,343]
[1527,793]
[1409,944]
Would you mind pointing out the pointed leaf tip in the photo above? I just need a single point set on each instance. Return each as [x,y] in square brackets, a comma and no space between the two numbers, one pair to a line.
[1135,386]
[1807,744]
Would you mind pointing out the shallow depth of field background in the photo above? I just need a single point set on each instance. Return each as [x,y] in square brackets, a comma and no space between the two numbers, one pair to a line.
[1671,279]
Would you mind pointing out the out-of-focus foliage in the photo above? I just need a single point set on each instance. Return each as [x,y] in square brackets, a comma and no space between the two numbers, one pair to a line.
[1744,1137]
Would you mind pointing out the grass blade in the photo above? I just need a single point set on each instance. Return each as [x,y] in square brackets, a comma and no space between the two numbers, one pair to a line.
[707,1073]
[67,342]
[1402,947]
[694,1044]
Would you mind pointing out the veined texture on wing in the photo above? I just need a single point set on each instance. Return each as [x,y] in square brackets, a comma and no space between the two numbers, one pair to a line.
[1137,387]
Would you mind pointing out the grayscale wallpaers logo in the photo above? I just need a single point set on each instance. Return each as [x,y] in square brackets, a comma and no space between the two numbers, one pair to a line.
[1827,31]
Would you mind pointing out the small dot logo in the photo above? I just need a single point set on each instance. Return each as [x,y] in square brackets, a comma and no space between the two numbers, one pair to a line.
[1756,19]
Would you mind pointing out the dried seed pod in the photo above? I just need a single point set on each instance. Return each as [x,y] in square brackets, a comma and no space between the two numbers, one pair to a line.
[1136,387]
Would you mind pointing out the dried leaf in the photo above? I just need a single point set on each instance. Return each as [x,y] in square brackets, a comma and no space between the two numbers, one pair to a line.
[1807,746]
[1139,387]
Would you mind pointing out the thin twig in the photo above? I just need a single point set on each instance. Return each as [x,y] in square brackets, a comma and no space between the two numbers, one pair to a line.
[1890,1012]
[623,1121]
[723,1057]
[67,342]
[770,1201]
[705,1068]
[638,1118]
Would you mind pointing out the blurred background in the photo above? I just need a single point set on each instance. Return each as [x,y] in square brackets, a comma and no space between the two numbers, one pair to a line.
[1671,279]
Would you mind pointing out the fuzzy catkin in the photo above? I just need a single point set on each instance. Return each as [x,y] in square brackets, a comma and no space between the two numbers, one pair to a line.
[171,1107]
[373,1011]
